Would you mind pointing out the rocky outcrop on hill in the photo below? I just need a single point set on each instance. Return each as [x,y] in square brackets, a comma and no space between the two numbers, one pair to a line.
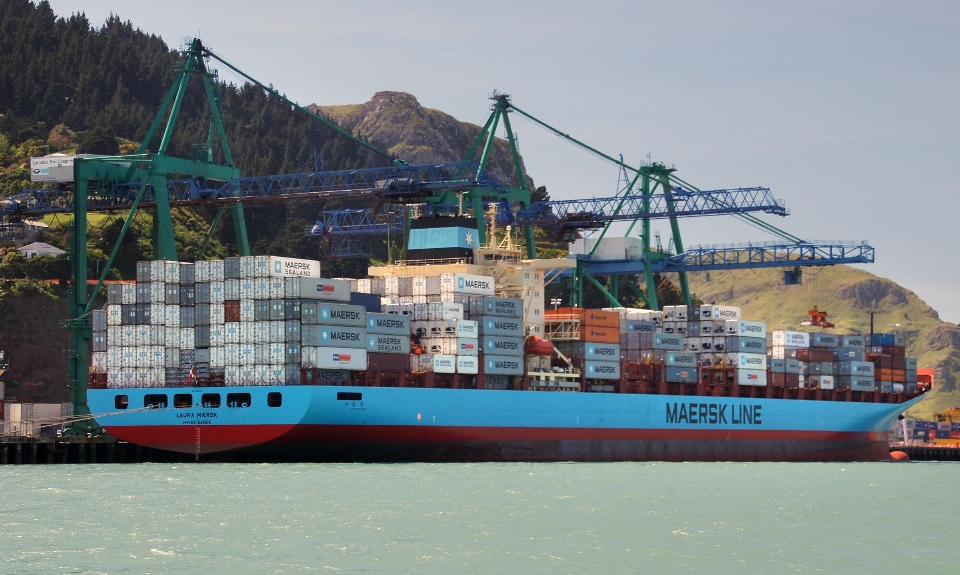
[397,123]
[873,293]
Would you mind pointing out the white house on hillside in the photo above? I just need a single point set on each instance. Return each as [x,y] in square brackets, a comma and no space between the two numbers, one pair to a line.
[40,249]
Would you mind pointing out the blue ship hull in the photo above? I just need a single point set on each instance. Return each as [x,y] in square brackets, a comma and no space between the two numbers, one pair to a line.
[328,423]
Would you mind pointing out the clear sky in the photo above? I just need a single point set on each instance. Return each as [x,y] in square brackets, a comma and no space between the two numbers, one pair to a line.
[846,110]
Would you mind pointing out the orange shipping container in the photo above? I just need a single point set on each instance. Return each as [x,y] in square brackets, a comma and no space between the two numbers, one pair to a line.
[899,375]
[599,318]
[600,334]
[886,375]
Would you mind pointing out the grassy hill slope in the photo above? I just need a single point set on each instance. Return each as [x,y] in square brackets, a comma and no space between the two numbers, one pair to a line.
[848,295]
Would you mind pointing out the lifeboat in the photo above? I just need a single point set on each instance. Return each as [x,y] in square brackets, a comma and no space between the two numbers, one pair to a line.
[537,346]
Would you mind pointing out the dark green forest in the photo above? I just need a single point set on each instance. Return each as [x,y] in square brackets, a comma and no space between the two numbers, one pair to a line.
[69,86]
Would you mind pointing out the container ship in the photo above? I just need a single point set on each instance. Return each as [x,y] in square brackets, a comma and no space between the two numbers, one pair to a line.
[451,355]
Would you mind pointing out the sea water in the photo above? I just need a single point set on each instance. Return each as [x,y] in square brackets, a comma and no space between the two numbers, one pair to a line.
[481,518]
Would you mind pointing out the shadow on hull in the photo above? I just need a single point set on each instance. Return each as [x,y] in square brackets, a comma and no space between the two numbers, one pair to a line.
[564,450]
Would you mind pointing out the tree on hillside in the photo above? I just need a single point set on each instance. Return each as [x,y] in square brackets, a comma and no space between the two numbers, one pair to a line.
[99,140]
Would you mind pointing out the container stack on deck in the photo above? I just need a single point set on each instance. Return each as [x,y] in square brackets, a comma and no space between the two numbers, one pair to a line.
[240,321]
[460,325]
[266,320]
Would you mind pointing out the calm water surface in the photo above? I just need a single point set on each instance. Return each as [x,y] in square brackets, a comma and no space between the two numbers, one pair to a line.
[481,518]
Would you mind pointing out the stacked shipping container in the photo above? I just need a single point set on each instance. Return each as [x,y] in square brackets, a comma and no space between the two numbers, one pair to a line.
[237,321]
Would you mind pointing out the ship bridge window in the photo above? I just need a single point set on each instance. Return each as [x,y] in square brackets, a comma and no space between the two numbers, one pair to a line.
[274,399]
[121,401]
[210,400]
[182,400]
[238,400]
[155,400]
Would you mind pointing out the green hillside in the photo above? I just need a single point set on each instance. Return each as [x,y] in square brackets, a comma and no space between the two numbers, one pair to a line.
[848,295]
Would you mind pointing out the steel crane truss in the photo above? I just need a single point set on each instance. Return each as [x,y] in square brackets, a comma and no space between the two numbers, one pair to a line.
[738,256]
[595,212]
[590,213]
[768,255]
[393,183]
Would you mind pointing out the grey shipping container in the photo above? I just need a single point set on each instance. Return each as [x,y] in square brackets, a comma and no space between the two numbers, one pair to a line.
[680,359]
[187,275]
[171,293]
[591,351]
[261,310]
[501,345]
[341,314]
[503,365]
[662,341]
[201,356]
[291,309]
[861,368]
[638,326]
[143,313]
[187,296]
[511,327]
[342,336]
[308,312]
[276,310]
[231,268]
[143,293]
[291,330]
[114,294]
[201,314]
[292,352]
[777,365]
[500,306]
[99,341]
[201,335]
[388,324]
[386,343]
[187,318]
[746,344]
[601,369]
[201,292]
[310,335]
[854,341]
[821,339]
[320,289]
[98,320]
[143,272]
